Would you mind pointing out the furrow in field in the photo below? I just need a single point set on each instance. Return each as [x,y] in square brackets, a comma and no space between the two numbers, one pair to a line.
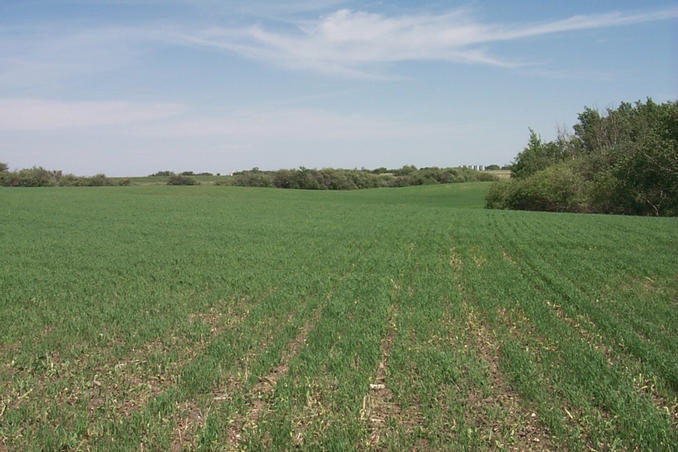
[247,392]
[263,390]
[538,343]
[611,390]
[192,414]
[222,325]
[529,431]
[378,404]
[585,335]
[317,404]
[118,387]
[191,419]
[612,329]
[130,392]
[534,272]
[586,285]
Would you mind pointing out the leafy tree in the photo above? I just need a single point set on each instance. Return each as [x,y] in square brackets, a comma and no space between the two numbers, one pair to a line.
[626,159]
[536,156]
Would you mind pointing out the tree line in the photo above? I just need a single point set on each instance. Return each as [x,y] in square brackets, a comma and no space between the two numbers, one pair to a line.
[352,179]
[300,178]
[41,177]
[624,161]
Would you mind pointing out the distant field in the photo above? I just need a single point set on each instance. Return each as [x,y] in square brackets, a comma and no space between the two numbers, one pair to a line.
[170,318]
[501,174]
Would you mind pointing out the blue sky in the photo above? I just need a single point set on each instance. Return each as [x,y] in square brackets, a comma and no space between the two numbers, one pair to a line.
[129,87]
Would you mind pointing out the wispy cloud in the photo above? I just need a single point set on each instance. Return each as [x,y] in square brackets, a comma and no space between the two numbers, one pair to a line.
[177,121]
[345,43]
[291,124]
[124,138]
[43,115]
[45,56]
[350,43]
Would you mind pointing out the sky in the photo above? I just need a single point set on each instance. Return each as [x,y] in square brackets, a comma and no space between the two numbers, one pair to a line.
[131,87]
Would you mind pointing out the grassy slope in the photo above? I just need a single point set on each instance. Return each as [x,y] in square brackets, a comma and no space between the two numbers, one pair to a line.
[230,317]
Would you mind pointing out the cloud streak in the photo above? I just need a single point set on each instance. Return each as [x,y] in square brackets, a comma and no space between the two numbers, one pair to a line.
[163,120]
[124,138]
[46,56]
[22,115]
[345,43]
[351,43]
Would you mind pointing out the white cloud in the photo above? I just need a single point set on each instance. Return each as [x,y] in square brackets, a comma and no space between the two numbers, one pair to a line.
[40,115]
[349,43]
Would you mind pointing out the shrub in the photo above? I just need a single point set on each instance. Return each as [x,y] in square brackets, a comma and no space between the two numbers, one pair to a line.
[98,180]
[557,188]
[623,162]
[486,177]
[497,196]
[252,179]
[69,180]
[31,177]
[177,179]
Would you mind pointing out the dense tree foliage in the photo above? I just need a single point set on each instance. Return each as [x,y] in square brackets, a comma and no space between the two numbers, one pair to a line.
[625,161]
[351,179]
[538,156]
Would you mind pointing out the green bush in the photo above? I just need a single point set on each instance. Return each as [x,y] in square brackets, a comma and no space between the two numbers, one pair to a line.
[252,179]
[40,177]
[98,180]
[486,177]
[31,177]
[177,179]
[625,162]
[497,196]
[69,180]
[558,188]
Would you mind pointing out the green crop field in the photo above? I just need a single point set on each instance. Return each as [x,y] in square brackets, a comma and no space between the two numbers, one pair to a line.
[207,317]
